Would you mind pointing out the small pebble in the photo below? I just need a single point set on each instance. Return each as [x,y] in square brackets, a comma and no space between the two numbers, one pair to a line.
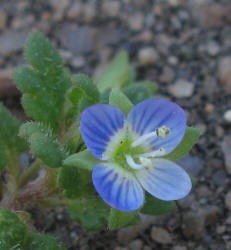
[161,235]
[227,115]
[136,245]
[181,88]
[228,200]
[147,56]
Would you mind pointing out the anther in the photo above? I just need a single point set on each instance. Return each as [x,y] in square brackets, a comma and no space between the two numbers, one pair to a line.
[163,131]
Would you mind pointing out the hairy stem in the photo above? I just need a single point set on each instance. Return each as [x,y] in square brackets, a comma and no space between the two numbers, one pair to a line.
[52,202]
[29,172]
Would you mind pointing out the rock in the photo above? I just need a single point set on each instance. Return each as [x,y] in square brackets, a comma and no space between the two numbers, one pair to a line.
[228,200]
[76,10]
[125,235]
[120,248]
[12,41]
[160,235]
[220,229]
[179,248]
[203,191]
[77,39]
[167,75]
[226,148]
[173,60]
[209,15]
[147,247]
[59,8]
[111,8]
[146,36]
[188,201]
[192,164]
[136,245]
[213,48]
[7,86]
[220,178]
[227,115]
[147,56]
[110,35]
[3,20]
[195,222]
[135,22]
[78,61]
[224,69]
[181,88]
[209,108]
[90,12]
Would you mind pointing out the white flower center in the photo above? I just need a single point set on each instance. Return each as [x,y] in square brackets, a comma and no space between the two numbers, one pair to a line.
[144,158]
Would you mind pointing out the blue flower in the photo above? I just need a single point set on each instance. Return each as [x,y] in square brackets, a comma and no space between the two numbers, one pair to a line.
[131,149]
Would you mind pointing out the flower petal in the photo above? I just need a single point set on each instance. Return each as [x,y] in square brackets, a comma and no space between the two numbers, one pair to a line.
[117,187]
[98,124]
[154,113]
[165,180]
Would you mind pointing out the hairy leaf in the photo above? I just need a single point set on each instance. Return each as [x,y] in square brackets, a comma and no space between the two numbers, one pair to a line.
[46,85]
[13,231]
[38,241]
[116,74]
[119,219]
[120,100]
[84,160]
[154,206]
[3,158]
[9,127]
[139,91]
[84,87]
[91,212]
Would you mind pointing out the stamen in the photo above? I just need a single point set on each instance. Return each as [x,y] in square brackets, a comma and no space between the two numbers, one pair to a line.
[159,152]
[160,132]
[143,138]
[132,163]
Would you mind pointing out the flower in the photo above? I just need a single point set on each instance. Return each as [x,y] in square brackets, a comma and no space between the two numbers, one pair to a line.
[131,149]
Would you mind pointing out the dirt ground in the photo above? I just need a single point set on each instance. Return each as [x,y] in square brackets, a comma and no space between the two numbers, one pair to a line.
[184,46]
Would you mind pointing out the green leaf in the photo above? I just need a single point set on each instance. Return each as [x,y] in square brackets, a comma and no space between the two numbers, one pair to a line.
[119,219]
[84,160]
[44,143]
[27,80]
[41,54]
[121,101]
[85,86]
[46,86]
[104,97]
[13,231]
[38,241]
[47,149]
[91,212]
[116,74]
[3,158]
[154,206]
[68,177]
[190,138]
[9,127]
[140,91]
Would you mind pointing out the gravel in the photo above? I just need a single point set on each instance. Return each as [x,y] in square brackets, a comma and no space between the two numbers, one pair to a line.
[184,46]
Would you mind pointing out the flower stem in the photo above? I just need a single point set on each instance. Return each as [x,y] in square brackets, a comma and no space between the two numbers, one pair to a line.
[52,202]
[29,172]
